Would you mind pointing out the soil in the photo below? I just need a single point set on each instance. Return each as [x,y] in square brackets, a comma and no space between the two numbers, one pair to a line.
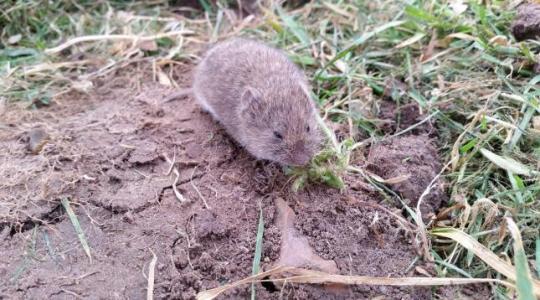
[401,116]
[527,22]
[107,153]
[415,157]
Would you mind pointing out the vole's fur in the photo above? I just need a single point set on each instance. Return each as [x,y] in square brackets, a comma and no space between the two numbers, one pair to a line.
[261,98]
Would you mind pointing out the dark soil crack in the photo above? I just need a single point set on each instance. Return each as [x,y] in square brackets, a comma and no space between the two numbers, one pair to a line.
[162,192]
[110,208]
[51,217]
[116,210]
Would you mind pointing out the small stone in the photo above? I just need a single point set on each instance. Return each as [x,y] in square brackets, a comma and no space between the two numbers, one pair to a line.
[37,138]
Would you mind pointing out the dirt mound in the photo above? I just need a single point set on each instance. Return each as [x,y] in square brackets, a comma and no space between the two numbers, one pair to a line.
[402,118]
[415,159]
[108,154]
[408,154]
[527,22]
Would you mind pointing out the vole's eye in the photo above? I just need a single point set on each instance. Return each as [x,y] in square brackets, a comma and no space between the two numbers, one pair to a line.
[307,128]
[278,135]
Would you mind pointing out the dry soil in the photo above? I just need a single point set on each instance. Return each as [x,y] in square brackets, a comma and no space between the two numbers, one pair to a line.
[107,153]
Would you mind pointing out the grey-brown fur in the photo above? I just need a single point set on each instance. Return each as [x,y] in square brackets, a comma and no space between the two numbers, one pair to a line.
[258,95]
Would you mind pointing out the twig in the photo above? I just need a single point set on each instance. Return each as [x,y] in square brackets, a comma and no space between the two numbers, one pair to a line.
[72,293]
[403,221]
[134,38]
[172,168]
[55,66]
[197,189]
[299,275]
[151,269]
[418,218]
[415,125]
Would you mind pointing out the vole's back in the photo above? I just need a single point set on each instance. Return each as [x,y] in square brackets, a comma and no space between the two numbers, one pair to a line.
[230,66]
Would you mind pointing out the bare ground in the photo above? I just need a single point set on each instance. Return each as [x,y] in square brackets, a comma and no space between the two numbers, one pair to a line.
[105,152]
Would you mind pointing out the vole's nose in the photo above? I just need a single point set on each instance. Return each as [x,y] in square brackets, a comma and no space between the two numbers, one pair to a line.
[300,155]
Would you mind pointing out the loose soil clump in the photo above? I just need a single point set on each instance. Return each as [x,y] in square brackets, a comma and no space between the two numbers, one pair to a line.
[415,160]
[527,22]
[109,153]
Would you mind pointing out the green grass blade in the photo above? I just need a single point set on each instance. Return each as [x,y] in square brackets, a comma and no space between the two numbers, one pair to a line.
[522,127]
[298,30]
[258,251]
[29,254]
[359,41]
[524,282]
[538,257]
[50,249]
[20,270]
[77,226]
[420,14]
[206,6]
[514,181]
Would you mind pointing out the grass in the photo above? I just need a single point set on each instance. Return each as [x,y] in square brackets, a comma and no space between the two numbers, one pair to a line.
[258,251]
[462,68]
[77,226]
[29,30]
[468,72]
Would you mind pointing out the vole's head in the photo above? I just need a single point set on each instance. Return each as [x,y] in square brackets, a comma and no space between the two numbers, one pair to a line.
[280,125]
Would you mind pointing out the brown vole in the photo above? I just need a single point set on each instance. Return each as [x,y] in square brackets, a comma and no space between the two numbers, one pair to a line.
[261,98]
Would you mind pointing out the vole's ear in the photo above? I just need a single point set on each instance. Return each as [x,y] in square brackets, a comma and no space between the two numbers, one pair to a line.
[251,100]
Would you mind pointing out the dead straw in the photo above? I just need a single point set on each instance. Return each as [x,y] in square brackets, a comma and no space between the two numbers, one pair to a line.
[133,38]
[173,169]
[151,271]
[299,275]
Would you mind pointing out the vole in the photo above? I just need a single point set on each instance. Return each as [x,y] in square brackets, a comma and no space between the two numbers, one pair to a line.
[261,98]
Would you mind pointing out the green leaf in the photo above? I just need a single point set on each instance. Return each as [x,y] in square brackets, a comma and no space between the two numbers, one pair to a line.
[332,179]
[258,251]
[519,182]
[483,124]
[299,183]
[527,52]
[468,146]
